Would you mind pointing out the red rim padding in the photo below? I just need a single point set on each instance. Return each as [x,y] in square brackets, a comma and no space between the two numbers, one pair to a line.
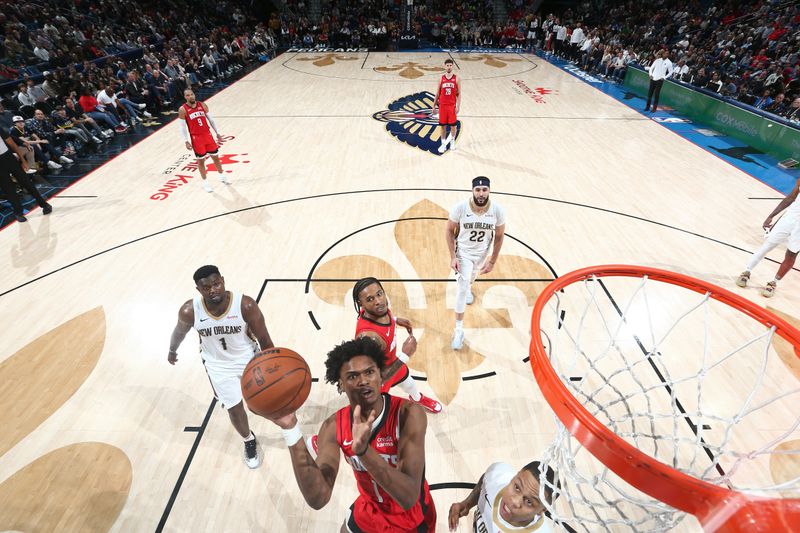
[717,508]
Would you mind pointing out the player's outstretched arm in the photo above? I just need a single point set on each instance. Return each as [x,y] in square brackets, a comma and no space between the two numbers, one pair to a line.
[462,508]
[315,478]
[786,202]
[185,322]
[255,321]
[404,482]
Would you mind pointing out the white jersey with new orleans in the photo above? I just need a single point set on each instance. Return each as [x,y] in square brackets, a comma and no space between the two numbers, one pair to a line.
[224,340]
[487,514]
[476,232]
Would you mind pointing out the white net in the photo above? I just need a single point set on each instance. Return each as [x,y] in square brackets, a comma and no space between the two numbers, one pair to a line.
[687,380]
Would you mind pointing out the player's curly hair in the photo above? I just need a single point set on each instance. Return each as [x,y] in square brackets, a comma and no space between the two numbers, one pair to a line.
[360,285]
[349,349]
[205,271]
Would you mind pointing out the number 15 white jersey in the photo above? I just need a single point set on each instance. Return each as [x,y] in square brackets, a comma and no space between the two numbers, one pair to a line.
[476,232]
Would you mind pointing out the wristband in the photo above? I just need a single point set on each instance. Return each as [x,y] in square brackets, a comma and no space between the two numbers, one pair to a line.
[292,436]
[403,357]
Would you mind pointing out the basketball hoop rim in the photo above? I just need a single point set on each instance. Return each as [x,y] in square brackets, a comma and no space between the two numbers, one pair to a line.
[676,489]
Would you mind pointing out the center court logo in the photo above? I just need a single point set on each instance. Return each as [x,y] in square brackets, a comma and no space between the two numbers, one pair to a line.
[409,120]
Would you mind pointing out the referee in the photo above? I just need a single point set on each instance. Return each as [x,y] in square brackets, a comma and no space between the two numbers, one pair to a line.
[660,70]
[10,166]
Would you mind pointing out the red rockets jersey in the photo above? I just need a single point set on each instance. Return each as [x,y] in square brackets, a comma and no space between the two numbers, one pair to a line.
[448,89]
[196,120]
[385,441]
[386,332]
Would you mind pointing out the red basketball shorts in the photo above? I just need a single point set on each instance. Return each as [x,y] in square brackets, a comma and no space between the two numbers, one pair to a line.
[366,517]
[447,115]
[204,145]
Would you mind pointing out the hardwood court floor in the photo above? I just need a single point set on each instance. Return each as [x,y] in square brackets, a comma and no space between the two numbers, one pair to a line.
[101,426]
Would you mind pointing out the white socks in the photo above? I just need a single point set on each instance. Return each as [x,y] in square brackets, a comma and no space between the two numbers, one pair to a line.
[459,324]
[251,437]
[409,386]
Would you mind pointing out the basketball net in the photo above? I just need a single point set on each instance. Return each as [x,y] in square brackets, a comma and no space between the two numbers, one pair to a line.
[670,398]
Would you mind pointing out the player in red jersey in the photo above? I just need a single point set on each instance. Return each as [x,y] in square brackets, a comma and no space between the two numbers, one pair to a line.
[383,440]
[196,124]
[376,321]
[448,99]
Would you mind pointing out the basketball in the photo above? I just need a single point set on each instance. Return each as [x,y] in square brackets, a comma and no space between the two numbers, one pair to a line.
[276,382]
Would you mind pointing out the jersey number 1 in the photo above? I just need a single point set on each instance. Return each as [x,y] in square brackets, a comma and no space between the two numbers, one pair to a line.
[224,344]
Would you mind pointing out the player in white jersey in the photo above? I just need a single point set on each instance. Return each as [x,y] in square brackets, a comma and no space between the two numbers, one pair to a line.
[508,500]
[787,230]
[229,324]
[473,228]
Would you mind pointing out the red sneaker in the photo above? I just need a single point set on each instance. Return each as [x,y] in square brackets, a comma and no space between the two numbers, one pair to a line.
[428,403]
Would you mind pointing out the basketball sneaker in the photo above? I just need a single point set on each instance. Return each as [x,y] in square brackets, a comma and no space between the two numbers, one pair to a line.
[428,403]
[443,147]
[743,278]
[769,289]
[458,339]
[470,298]
[207,186]
[252,455]
[452,140]
[224,179]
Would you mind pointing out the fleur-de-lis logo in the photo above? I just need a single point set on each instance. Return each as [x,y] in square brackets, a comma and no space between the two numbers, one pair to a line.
[325,60]
[410,69]
[409,120]
[420,236]
[38,380]
[491,60]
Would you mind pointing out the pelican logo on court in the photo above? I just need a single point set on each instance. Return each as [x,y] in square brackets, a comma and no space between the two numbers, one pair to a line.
[417,234]
[491,60]
[409,120]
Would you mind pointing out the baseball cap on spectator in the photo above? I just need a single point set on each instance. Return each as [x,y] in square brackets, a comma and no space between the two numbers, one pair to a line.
[17,118]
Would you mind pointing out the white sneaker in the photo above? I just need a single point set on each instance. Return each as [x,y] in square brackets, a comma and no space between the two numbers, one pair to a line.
[142,106]
[108,133]
[207,186]
[52,164]
[224,179]
[252,454]
[65,159]
[452,143]
[30,171]
[96,140]
[470,298]
[458,339]
[443,147]
[147,114]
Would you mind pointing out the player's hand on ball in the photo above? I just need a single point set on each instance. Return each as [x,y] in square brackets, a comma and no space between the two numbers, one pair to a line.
[410,346]
[286,422]
[457,510]
[454,265]
[361,430]
[172,358]
[188,145]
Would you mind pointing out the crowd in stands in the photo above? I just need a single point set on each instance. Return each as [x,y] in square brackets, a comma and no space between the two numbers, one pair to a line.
[748,50]
[88,71]
[745,50]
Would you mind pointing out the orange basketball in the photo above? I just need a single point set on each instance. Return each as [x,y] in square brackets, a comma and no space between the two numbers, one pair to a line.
[276,382]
